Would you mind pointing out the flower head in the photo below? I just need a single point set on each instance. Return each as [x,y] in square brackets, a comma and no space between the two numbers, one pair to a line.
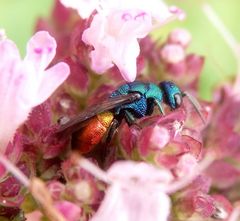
[116,41]
[116,28]
[164,175]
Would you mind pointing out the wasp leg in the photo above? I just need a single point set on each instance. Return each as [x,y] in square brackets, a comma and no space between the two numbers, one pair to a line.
[131,120]
[159,106]
[111,131]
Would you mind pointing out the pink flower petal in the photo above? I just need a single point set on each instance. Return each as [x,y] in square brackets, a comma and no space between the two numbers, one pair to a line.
[51,80]
[128,205]
[41,49]
[152,138]
[223,174]
[84,7]
[11,77]
[25,84]
[101,57]
[141,172]
[126,61]
[180,36]
[8,52]
[100,60]
[135,194]
[173,53]
[204,204]
[186,165]
[127,139]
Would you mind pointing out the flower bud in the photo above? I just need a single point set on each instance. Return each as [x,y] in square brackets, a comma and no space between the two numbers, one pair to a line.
[180,36]
[172,53]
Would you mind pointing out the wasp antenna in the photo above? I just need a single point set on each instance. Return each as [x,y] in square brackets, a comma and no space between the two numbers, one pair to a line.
[195,104]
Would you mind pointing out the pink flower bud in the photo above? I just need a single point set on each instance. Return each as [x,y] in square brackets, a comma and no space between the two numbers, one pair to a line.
[172,53]
[204,205]
[180,36]
[223,174]
[179,13]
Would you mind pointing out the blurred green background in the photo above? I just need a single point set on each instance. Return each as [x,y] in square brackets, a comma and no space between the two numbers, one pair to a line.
[18,18]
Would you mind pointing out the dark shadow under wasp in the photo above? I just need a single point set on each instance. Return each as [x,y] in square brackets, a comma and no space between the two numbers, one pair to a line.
[130,101]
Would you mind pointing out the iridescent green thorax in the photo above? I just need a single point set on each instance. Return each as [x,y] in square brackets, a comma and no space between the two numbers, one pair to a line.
[144,106]
[154,92]
[151,95]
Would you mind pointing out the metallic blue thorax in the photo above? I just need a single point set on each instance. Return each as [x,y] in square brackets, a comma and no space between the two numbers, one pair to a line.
[144,106]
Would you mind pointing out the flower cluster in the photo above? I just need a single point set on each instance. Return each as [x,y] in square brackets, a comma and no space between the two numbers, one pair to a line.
[182,165]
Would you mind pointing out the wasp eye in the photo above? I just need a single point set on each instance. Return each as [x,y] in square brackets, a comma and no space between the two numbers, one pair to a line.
[178,99]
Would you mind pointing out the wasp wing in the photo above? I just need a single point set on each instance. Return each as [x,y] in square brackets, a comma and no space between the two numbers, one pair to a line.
[77,122]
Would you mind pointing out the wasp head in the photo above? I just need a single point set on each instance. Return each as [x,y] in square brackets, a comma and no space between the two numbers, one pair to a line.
[172,94]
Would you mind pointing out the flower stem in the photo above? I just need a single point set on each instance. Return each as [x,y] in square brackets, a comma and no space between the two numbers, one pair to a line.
[94,170]
[14,170]
[43,197]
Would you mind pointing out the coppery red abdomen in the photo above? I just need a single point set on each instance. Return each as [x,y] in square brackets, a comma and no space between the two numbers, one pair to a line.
[89,136]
